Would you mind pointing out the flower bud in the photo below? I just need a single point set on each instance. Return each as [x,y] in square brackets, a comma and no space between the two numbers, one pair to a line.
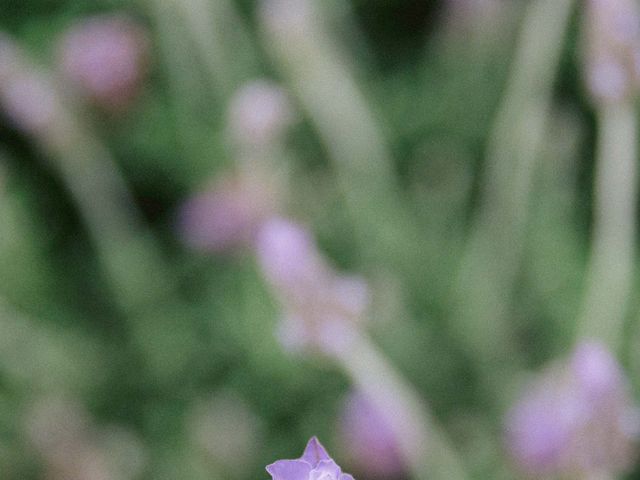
[369,441]
[259,113]
[106,58]
[227,215]
[612,53]
[321,307]
[575,418]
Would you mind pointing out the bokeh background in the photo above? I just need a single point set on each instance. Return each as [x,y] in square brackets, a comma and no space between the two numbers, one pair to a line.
[127,351]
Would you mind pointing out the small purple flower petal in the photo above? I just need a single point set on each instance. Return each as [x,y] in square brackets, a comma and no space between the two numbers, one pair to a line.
[289,470]
[326,469]
[314,452]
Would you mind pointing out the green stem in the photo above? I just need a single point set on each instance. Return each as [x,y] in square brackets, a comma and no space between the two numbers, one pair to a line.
[133,265]
[610,270]
[325,85]
[491,262]
[423,445]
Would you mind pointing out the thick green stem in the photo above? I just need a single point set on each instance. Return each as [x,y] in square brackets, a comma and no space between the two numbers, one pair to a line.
[490,265]
[610,271]
[325,85]
[423,445]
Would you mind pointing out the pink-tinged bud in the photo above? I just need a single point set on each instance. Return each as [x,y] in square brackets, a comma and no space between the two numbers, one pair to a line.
[259,113]
[577,419]
[597,373]
[289,257]
[321,308]
[368,441]
[227,215]
[612,40]
[106,58]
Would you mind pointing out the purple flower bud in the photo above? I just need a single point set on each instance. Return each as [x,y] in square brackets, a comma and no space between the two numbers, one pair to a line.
[321,308]
[369,440]
[574,418]
[227,215]
[259,113]
[289,257]
[315,464]
[106,58]
[612,40]
[597,373]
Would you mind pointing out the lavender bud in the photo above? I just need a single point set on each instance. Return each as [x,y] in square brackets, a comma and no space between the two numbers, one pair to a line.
[369,440]
[314,464]
[573,418]
[106,58]
[227,215]
[612,41]
[321,307]
[259,113]
[288,256]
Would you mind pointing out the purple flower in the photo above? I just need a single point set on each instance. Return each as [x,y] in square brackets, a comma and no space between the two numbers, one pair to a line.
[612,49]
[227,215]
[314,464]
[321,307]
[259,113]
[369,439]
[577,417]
[106,58]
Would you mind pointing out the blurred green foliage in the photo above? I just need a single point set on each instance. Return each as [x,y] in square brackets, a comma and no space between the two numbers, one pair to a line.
[61,330]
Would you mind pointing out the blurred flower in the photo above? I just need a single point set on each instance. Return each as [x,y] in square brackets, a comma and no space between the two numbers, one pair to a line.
[259,113]
[106,58]
[612,55]
[320,306]
[577,419]
[60,430]
[368,439]
[314,464]
[228,214]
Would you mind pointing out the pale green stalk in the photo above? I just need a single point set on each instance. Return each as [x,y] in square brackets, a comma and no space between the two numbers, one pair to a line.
[422,443]
[186,87]
[490,265]
[221,40]
[610,270]
[124,245]
[324,83]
